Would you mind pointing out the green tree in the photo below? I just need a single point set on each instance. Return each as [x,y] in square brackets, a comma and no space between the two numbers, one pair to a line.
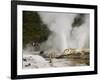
[33,28]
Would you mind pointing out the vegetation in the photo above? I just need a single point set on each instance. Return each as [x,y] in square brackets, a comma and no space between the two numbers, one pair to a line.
[79,20]
[33,28]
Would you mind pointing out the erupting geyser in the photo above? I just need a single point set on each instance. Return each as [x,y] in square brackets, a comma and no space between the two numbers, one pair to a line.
[64,35]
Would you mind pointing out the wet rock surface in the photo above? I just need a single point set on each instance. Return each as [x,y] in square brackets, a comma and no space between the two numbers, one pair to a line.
[39,61]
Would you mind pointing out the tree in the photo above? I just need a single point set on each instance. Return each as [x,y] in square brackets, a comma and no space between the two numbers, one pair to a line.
[33,28]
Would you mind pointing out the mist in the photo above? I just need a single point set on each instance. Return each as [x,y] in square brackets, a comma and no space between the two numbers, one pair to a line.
[69,30]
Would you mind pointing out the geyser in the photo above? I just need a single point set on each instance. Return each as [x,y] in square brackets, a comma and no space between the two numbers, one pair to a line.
[64,34]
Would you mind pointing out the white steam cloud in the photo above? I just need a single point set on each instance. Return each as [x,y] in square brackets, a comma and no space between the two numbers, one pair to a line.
[63,35]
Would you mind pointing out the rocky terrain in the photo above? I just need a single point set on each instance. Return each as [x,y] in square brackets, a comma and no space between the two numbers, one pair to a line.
[52,60]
